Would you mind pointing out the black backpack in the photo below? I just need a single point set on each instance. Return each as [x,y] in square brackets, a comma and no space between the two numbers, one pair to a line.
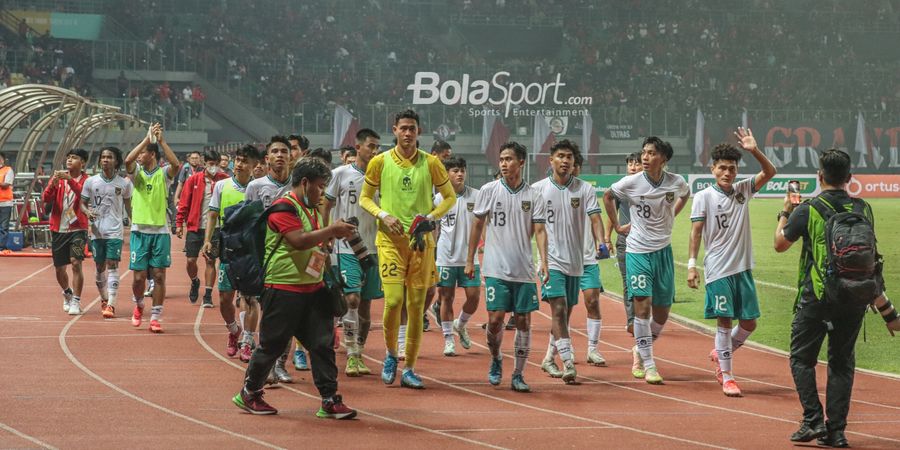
[852,263]
[243,244]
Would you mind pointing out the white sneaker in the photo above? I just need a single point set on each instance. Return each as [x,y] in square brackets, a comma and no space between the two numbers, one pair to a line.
[74,308]
[594,358]
[67,299]
[569,372]
[463,333]
[449,348]
[401,353]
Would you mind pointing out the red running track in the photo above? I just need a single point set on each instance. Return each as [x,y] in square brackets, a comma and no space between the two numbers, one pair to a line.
[85,382]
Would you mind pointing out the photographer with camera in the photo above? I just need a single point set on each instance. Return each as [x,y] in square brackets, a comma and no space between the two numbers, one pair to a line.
[828,301]
[357,266]
[295,303]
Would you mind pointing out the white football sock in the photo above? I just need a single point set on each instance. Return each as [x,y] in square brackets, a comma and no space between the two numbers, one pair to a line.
[351,326]
[564,346]
[724,350]
[522,348]
[644,341]
[738,337]
[464,318]
[112,285]
[593,332]
[447,328]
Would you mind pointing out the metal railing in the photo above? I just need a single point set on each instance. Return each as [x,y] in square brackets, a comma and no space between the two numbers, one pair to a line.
[182,117]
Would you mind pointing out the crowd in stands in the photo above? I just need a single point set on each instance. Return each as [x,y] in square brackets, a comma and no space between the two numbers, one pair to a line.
[29,57]
[634,56]
[174,105]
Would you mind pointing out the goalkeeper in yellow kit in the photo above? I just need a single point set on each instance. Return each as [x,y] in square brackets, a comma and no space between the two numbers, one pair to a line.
[405,178]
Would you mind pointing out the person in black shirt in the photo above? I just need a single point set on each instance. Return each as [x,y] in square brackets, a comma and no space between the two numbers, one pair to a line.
[815,318]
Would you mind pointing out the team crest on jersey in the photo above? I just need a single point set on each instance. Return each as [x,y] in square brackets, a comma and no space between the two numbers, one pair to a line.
[470,207]
[407,183]
[670,197]
[740,198]
[526,206]
[576,202]
[118,191]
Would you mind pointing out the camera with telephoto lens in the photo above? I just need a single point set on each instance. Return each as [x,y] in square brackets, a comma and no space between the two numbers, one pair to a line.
[359,247]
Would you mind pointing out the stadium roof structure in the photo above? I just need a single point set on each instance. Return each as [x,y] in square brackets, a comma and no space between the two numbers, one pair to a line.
[88,125]
[81,116]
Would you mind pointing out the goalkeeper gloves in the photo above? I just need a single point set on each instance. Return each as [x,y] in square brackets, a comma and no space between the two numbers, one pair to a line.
[420,226]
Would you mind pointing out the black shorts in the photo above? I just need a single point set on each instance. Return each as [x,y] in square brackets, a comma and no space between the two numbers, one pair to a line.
[68,246]
[193,243]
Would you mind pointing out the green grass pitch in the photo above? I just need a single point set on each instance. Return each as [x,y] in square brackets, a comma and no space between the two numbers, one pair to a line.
[879,351]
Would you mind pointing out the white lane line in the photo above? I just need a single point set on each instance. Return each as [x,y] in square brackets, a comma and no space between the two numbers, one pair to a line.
[65,348]
[22,435]
[751,345]
[101,336]
[690,402]
[318,399]
[26,278]
[488,430]
[558,413]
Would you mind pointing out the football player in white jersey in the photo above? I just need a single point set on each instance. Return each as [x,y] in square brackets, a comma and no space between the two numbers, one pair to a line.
[590,283]
[721,215]
[442,150]
[517,214]
[632,166]
[227,193]
[655,197]
[568,200]
[363,284]
[452,249]
[106,200]
[267,189]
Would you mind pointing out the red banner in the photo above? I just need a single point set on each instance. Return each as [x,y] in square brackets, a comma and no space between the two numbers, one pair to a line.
[874,186]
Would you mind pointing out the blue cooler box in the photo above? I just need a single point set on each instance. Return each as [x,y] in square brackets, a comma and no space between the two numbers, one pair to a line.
[15,240]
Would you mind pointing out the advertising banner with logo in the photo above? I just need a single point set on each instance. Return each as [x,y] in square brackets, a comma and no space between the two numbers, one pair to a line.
[796,146]
[619,132]
[775,188]
[504,94]
[874,186]
[63,25]
[601,183]
[76,26]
